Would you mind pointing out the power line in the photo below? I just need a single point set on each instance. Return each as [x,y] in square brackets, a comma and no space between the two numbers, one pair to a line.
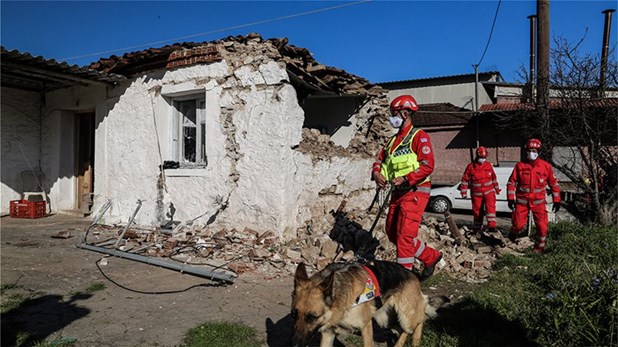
[490,33]
[217,30]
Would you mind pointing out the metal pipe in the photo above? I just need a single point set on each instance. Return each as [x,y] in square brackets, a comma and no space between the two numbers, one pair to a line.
[532,78]
[139,205]
[604,52]
[96,219]
[184,268]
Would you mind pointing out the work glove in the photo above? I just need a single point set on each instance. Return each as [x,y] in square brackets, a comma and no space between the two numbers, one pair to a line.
[379,178]
[556,207]
[464,194]
[498,190]
[511,204]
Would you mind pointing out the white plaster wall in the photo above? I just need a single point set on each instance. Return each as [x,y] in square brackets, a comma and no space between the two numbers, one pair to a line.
[345,178]
[20,122]
[58,148]
[58,159]
[344,135]
[253,123]
[127,149]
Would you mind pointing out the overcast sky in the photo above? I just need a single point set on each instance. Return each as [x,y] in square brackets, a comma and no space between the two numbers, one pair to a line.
[379,40]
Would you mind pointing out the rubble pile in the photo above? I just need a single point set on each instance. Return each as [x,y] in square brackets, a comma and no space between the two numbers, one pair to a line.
[347,240]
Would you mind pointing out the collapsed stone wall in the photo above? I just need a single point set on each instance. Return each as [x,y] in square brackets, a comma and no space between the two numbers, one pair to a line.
[258,116]
[370,133]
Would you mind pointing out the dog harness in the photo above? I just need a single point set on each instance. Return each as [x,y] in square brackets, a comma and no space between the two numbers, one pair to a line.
[372,289]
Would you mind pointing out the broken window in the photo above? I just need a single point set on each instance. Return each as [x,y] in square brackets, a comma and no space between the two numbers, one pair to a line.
[189,132]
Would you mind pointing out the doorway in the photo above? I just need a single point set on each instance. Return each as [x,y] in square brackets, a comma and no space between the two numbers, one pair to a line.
[84,144]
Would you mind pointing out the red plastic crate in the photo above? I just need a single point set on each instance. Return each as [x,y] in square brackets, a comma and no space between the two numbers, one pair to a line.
[27,209]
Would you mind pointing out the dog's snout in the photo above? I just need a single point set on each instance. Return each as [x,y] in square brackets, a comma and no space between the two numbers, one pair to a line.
[298,341]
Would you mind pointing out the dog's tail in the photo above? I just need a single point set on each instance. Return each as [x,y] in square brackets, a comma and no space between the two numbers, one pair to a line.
[432,304]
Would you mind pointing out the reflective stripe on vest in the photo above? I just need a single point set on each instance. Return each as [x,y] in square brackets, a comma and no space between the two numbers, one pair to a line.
[403,160]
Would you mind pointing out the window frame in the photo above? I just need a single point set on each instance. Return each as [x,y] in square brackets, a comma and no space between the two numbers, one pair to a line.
[177,132]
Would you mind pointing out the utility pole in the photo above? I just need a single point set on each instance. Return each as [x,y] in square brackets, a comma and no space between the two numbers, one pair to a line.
[542,96]
[532,79]
[476,102]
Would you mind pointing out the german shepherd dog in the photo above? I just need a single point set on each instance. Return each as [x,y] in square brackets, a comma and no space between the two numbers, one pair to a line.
[328,302]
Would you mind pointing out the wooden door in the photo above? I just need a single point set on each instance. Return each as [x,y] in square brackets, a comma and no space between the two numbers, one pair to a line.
[85,160]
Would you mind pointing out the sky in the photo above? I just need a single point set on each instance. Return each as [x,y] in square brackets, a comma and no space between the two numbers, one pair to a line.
[381,41]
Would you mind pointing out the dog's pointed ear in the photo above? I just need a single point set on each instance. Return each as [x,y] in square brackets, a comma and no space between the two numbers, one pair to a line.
[301,274]
[327,288]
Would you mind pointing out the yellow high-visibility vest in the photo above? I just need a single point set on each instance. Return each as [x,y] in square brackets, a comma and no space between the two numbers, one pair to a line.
[403,160]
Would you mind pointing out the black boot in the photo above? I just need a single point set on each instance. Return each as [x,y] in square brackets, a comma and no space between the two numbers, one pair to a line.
[428,270]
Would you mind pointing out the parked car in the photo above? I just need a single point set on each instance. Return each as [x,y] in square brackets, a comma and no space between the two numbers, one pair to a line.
[445,198]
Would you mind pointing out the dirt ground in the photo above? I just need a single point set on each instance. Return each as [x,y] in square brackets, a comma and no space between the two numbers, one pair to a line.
[57,275]
[55,271]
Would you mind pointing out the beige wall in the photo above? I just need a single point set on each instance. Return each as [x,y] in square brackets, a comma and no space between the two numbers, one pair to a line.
[454,148]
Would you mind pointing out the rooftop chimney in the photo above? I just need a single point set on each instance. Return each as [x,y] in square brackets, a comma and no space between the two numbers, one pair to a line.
[604,51]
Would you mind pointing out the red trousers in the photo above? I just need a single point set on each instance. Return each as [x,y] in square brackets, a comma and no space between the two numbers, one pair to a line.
[519,218]
[404,217]
[488,201]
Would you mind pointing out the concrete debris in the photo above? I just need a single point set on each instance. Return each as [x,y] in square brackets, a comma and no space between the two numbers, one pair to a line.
[345,239]
[65,234]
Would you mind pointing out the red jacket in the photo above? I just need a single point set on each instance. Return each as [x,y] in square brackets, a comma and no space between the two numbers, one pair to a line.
[421,145]
[529,180]
[480,177]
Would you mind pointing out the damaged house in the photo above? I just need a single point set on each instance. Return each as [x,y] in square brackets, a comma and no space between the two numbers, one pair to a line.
[234,133]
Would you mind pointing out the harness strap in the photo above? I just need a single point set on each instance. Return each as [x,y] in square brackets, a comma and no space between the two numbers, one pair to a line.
[371,290]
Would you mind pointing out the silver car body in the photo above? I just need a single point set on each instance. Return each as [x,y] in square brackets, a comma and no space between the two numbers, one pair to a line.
[452,194]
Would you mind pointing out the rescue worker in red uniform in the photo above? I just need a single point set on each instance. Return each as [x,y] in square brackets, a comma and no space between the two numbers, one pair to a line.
[406,161]
[526,192]
[481,178]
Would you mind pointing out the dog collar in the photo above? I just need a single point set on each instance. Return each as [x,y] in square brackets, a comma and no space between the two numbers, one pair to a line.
[372,289]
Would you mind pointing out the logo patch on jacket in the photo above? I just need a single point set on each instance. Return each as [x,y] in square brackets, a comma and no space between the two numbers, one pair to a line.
[426,150]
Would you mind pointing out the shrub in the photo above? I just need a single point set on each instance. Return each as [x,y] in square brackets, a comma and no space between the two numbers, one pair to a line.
[565,297]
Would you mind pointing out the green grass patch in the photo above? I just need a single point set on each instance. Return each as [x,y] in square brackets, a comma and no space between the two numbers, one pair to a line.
[11,302]
[567,296]
[221,334]
[58,342]
[352,341]
[7,286]
[95,287]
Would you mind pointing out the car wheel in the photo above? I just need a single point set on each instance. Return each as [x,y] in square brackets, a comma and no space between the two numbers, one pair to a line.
[439,204]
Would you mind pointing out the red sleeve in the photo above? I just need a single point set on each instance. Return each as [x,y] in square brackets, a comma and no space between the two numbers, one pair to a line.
[494,178]
[377,165]
[421,145]
[512,183]
[553,184]
[466,177]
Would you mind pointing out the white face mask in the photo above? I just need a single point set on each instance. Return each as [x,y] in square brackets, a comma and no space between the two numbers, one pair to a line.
[395,121]
[481,160]
[533,155]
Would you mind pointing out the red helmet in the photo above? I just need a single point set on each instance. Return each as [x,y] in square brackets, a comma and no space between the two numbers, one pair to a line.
[404,102]
[481,152]
[533,144]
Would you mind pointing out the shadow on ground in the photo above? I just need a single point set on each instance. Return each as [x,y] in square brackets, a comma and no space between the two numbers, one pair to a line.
[39,318]
[279,334]
[465,321]
[474,325]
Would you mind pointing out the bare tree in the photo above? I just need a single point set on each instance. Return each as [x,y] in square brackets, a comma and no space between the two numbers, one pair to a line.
[580,132]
